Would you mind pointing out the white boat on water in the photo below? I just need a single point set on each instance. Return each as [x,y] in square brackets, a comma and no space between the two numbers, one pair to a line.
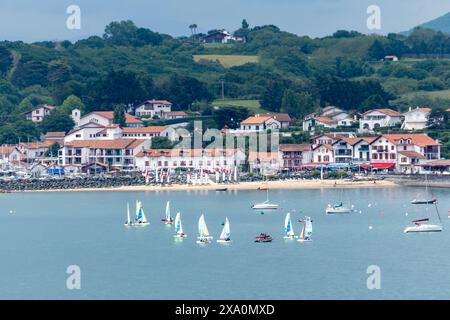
[168,220]
[225,234]
[338,208]
[129,223]
[141,219]
[266,205]
[288,229]
[306,230]
[179,233]
[203,232]
[419,226]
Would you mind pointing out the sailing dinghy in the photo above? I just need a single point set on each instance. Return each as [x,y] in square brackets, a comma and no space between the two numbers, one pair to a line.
[339,207]
[266,205]
[203,232]
[225,234]
[288,230]
[423,225]
[306,230]
[179,227]
[168,220]
[141,219]
[129,223]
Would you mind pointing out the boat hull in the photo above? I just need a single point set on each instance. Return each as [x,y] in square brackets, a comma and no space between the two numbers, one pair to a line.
[224,241]
[265,207]
[142,224]
[338,210]
[304,240]
[290,238]
[423,228]
[432,201]
[178,236]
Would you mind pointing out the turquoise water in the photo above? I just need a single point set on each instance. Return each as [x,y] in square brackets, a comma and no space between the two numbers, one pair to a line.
[47,232]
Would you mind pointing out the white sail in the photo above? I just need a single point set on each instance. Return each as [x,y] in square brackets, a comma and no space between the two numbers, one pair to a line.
[308,227]
[178,225]
[202,228]
[235,174]
[217,176]
[223,174]
[225,235]
[140,212]
[156,175]
[128,215]
[168,211]
[288,226]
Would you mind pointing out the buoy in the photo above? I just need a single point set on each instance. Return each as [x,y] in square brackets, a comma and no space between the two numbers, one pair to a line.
[406,214]
[369,205]
[370,227]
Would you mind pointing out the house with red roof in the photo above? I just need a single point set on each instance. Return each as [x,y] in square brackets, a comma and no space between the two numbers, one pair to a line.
[262,122]
[405,153]
[104,118]
[114,154]
[416,119]
[379,118]
[37,114]
[295,156]
[153,108]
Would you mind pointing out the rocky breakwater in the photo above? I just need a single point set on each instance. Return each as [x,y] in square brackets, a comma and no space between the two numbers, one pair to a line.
[69,183]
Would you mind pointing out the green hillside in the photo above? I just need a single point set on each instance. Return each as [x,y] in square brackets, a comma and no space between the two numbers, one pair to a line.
[439,24]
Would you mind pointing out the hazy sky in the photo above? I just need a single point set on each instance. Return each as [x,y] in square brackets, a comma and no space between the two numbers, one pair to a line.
[31,20]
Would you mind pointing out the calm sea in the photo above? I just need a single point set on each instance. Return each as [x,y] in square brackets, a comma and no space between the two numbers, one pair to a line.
[41,234]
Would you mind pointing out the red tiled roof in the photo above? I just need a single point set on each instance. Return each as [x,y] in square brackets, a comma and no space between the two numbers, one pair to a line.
[129,119]
[421,140]
[412,154]
[263,156]
[186,152]
[420,109]
[6,150]
[177,113]
[326,120]
[388,112]
[256,119]
[37,145]
[327,146]
[295,147]
[150,129]
[105,144]
[165,102]
[282,117]
[438,163]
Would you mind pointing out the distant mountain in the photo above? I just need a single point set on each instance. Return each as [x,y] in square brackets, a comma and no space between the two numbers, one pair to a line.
[440,24]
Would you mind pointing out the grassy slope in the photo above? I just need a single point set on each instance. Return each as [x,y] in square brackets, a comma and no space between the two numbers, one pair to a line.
[253,105]
[228,61]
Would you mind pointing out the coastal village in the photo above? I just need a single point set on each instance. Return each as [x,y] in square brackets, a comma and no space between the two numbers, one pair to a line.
[98,146]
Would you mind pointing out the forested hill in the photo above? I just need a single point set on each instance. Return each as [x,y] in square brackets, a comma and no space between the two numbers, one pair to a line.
[294,73]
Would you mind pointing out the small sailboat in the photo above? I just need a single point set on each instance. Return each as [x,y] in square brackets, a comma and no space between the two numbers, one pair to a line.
[203,232]
[423,225]
[225,234]
[168,220]
[129,223]
[306,230]
[179,233]
[141,219]
[428,200]
[339,207]
[288,230]
[266,205]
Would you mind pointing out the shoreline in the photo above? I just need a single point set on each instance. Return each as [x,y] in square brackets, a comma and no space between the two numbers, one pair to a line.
[295,184]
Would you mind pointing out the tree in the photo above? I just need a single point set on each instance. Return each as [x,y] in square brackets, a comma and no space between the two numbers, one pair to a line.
[161,143]
[72,102]
[438,119]
[230,116]
[119,116]
[376,50]
[58,72]
[53,150]
[28,73]
[58,121]
[5,60]
[297,105]
[125,33]
[272,95]
[245,24]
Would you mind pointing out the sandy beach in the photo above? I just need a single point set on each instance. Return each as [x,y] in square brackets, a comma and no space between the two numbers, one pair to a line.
[293,184]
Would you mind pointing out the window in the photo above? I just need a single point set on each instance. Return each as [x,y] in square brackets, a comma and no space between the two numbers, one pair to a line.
[375,156]
[392,147]
[393,156]
[174,163]
[404,160]
[159,163]
[405,147]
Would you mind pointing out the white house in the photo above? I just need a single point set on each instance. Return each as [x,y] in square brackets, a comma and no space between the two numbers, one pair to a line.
[220,36]
[210,159]
[104,118]
[379,118]
[38,113]
[416,119]
[149,132]
[34,150]
[152,108]
[10,153]
[258,123]
[114,154]
[265,162]
[323,154]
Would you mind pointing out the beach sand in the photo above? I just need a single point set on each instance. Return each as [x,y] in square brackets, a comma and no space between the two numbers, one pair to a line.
[292,184]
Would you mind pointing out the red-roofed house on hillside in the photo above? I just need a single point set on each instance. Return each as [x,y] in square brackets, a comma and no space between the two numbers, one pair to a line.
[33,151]
[116,154]
[404,152]
[391,58]
[262,122]
[149,132]
[295,155]
[104,118]
[152,108]
[38,113]
[379,118]
[416,119]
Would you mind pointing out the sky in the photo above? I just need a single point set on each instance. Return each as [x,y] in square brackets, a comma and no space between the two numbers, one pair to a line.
[31,20]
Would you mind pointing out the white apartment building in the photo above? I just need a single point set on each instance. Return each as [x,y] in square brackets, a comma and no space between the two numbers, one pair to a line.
[379,118]
[416,119]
